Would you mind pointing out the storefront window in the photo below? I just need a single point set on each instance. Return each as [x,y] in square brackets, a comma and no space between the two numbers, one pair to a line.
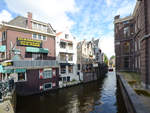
[21,76]
[70,69]
[63,69]
[47,73]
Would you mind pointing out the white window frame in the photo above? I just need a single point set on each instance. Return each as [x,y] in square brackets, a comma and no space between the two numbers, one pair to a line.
[45,37]
[22,80]
[36,36]
[46,84]
[47,69]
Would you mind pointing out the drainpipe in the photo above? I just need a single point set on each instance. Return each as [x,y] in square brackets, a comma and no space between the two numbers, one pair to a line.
[147,46]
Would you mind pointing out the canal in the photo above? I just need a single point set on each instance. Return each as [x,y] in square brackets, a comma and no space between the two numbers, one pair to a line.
[100,96]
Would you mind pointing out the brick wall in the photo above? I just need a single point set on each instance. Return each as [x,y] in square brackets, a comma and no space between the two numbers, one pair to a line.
[13,34]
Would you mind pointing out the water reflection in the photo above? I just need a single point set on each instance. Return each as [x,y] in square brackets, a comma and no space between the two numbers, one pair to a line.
[95,97]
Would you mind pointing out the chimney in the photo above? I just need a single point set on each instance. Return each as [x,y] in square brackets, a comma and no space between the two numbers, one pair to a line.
[29,23]
[117,17]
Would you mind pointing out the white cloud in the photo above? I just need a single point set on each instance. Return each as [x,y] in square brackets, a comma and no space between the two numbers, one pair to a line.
[51,11]
[5,16]
[108,2]
[126,8]
[107,44]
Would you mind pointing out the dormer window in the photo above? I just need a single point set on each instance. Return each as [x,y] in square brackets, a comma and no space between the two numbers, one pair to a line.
[66,36]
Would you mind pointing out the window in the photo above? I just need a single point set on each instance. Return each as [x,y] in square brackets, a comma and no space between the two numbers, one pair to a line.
[39,37]
[64,79]
[4,34]
[126,31]
[126,48]
[63,69]
[44,28]
[34,36]
[126,62]
[62,57]
[47,86]
[39,26]
[139,62]
[135,46]
[47,73]
[78,66]
[62,45]
[22,76]
[34,25]
[68,79]
[70,69]
[139,44]
[66,36]
[28,55]
[70,57]
[125,22]
[36,56]
[44,37]
[70,46]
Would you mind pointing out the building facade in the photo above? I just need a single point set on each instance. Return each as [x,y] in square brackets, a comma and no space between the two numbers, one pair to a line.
[66,55]
[89,59]
[140,43]
[124,46]
[28,55]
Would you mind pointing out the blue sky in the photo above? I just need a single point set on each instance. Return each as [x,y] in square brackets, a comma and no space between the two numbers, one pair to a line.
[84,18]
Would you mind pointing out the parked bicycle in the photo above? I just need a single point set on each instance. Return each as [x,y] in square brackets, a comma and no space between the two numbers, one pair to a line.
[6,87]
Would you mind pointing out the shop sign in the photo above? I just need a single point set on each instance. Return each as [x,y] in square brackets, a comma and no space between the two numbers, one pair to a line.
[28,42]
[7,63]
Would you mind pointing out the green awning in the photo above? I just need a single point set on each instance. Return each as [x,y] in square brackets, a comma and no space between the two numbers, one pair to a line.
[5,71]
[20,70]
[3,48]
[36,50]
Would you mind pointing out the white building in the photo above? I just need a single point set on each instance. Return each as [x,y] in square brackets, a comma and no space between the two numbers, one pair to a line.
[97,51]
[66,55]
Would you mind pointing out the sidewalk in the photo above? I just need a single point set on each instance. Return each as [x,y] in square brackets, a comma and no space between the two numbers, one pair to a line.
[134,81]
[6,107]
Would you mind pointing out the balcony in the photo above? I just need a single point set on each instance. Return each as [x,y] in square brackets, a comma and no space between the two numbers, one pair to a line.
[34,64]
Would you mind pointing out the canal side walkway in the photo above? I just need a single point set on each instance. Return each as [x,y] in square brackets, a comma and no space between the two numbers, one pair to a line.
[133,83]
[6,107]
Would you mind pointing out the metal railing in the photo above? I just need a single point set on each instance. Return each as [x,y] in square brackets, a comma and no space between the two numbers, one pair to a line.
[33,64]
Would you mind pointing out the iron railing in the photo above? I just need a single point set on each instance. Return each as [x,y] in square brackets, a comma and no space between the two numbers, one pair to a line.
[33,64]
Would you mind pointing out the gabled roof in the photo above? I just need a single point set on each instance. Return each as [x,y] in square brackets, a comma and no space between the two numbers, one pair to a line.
[59,33]
[21,21]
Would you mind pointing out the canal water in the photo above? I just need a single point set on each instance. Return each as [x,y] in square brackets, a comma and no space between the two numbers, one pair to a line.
[99,96]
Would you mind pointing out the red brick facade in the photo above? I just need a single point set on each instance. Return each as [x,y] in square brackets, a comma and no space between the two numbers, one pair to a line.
[12,36]
[140,43]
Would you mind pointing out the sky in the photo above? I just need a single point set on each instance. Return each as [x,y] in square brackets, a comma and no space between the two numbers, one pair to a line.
[86,19]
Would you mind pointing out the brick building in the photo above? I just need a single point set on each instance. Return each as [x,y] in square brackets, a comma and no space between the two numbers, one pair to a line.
[28,54]
[140,41]
[124,47]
